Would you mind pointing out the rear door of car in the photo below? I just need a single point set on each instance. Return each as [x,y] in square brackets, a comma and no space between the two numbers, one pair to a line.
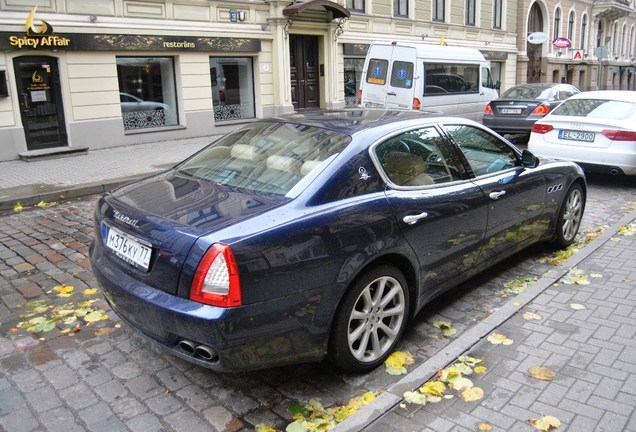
[442,216]
[516,195]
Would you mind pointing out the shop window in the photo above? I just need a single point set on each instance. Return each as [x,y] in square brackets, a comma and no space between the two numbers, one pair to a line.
[147,92]
[352,72]
[232,83]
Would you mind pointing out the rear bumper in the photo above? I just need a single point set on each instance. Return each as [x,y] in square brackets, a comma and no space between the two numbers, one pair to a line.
[509,125]
[619,158]
[262,335]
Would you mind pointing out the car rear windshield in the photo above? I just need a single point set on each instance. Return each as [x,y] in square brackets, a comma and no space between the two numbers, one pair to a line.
[596,108]
[530,92]
[267,157]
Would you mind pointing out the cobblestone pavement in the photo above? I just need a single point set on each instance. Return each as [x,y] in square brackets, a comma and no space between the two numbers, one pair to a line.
[93,372]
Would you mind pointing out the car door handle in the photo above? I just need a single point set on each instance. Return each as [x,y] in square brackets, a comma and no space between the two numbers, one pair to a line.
[391,94]
[412,219]
[496,195]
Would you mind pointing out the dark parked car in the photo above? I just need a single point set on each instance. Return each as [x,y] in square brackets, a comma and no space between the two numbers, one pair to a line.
[520,106]
[321,234]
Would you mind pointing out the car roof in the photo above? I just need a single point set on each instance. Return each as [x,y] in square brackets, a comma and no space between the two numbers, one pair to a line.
[352,120]
[537,85]
[619,95]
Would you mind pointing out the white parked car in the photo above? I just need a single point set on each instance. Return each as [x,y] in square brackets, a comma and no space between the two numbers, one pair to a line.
[596,129]
[133,103]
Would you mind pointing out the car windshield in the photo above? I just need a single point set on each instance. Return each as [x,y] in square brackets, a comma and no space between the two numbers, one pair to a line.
[596,108]
[529,92]
[267,157]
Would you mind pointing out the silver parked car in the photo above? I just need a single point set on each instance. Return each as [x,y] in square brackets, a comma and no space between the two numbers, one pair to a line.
[520,106]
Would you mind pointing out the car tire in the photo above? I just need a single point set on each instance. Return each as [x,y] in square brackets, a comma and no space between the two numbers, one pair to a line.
[570,215]
[370,320]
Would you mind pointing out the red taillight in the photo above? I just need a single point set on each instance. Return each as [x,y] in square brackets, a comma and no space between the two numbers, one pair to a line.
[619,135]
[541,128]
[540,110]
[359,97]
[488,110]
[417,105]
[216,280]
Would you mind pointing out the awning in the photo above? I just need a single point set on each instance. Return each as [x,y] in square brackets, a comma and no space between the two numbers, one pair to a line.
[297,8]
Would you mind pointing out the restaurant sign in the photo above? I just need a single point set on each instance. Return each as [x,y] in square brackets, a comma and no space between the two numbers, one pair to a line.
[38,37]
[42,37]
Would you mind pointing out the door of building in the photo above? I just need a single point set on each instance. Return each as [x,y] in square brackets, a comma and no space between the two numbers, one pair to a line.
[40,96]
[303,54]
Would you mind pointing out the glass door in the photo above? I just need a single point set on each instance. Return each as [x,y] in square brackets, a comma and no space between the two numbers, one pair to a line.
[40,97]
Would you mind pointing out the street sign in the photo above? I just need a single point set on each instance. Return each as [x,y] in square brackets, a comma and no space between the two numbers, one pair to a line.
[537,38]
[601,52]
[562,43]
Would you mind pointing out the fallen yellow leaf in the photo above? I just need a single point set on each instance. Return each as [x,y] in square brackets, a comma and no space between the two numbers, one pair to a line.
[542,373]
[546,423]
[484,427]
[532,316]
[103,331]
[497,338]
[434,388]
[63,290]
[18,207]
[472,394]
[480,369]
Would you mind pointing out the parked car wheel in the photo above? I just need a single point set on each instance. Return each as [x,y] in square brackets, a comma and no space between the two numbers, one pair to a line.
[370,320]
[570,215]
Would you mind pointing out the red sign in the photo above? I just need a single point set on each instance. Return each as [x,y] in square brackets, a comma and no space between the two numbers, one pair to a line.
[562,43]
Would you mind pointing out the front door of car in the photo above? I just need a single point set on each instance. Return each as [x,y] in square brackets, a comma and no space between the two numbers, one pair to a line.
[442,217]
[515,213]
[516,194]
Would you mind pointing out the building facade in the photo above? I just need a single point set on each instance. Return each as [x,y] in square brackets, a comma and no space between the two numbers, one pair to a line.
[588,43]
[77,75]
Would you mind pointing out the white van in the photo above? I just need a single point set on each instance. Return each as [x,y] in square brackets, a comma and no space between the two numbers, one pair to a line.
[453,80]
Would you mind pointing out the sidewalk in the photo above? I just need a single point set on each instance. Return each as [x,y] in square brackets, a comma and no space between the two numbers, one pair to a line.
[586,334]
[99,170]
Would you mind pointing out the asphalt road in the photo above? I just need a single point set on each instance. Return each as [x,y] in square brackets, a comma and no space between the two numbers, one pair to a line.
[101,375]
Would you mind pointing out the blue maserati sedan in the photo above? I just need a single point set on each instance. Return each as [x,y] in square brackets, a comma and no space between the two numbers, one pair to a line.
[320,234]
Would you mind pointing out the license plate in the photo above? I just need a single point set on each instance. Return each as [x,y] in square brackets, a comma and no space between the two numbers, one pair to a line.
[577,136]
[373,105]
[510,110]
[128,248]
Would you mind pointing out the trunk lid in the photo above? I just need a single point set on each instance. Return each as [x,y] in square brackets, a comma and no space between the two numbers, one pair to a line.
[149,227]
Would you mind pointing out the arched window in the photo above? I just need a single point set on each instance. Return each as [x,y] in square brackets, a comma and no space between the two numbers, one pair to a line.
[624,40]
[615,39]
[571,26]
[599,34]
[584,32]
[557,22]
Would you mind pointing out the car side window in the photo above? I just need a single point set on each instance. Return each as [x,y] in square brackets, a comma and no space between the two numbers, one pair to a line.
[485,153]
[417,158]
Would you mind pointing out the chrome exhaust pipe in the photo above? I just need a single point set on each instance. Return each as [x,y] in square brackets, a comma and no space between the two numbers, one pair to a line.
[205,352]
[614,171]
[187,346]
